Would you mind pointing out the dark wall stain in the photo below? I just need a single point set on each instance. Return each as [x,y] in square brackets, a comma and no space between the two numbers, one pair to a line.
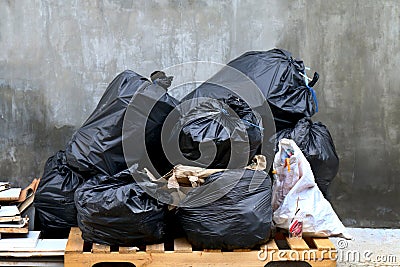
[26,137]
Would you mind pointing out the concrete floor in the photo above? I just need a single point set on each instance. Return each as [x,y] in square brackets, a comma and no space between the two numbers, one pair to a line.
[369,247]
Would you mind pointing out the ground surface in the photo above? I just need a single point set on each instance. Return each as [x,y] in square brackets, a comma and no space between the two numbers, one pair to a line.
[369,247]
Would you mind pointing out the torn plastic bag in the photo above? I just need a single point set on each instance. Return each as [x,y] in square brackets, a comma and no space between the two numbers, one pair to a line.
[96,146]
[280,78]
[316,143]
[54,198]
[241,218]
[319,217]
[114,210]
[212,135]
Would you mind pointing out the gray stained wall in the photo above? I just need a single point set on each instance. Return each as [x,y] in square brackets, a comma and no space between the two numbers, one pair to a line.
[57,58]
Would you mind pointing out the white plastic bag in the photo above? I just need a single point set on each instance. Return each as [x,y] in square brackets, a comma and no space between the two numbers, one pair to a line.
[288,172]
[319,217]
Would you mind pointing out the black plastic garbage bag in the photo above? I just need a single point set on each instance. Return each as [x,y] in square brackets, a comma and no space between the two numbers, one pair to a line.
[316,143]
[96,146]
[212,135]
[54,199]
[114,210]
[154,125]
[277,74]
[239,219]
[263,78]
[143,125]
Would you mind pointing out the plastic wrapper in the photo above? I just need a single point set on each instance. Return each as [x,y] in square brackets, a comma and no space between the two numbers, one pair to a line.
[239,219]
[316,143]
[114,210]
[288,169]
[54,198]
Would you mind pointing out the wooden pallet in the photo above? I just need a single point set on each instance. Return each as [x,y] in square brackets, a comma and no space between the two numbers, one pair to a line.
[315,251]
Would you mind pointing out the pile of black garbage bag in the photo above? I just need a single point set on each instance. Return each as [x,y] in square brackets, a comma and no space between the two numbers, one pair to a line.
[93,184]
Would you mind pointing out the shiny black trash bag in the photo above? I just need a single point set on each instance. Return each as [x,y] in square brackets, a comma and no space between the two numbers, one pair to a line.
[239,219]
[114,210]
[211,134]
[279,77]
[96,147]
[54,199]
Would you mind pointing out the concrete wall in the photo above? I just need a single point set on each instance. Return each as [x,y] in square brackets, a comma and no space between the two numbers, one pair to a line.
[57,57]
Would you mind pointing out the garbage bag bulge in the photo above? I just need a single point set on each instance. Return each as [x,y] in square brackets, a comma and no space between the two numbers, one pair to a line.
[280,77]
[239,219]
[54,198]
[212,135]
[96,147]
[114,210]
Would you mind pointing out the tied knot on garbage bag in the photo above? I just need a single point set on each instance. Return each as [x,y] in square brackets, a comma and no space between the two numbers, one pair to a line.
[161,79]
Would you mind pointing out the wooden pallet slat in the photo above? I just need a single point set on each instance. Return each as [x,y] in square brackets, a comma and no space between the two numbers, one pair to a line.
[127,250]
[99,248]
[242,250]
[155,248]
[297,243]
[323,244]
[75,241]
[212,250]
[182,245]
